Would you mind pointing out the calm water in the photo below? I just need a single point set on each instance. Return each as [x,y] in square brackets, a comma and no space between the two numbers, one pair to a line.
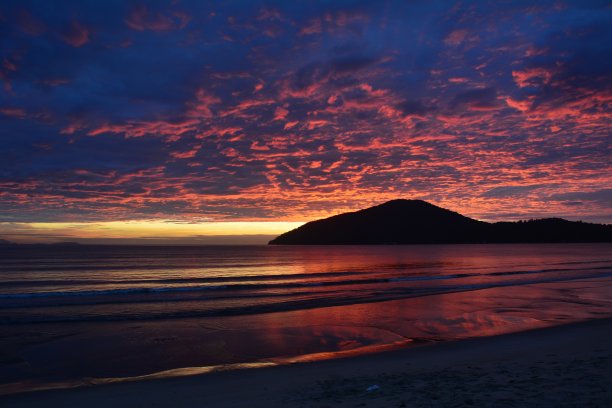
[72,314]
[52,284]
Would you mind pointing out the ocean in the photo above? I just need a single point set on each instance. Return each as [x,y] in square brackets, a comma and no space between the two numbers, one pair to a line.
[74,314]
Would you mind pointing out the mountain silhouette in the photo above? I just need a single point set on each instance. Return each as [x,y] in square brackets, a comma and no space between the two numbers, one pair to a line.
[419,222]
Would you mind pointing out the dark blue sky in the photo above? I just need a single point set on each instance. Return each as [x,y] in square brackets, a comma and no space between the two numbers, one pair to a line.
[183,110]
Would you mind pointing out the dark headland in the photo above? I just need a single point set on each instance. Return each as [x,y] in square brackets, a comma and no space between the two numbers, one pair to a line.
[419,222]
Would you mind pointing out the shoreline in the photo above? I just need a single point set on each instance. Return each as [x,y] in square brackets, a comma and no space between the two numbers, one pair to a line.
[71,357]
[346,378]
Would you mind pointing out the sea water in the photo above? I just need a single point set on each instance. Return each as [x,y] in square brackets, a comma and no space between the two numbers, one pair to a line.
[70,312]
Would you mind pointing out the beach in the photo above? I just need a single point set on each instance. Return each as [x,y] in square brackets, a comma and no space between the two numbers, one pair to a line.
[566,365]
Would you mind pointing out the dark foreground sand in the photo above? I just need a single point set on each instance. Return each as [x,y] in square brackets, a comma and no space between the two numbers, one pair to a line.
[565,366]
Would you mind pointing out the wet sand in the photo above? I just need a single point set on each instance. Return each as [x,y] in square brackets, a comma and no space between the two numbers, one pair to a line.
[568,365]
[73,354]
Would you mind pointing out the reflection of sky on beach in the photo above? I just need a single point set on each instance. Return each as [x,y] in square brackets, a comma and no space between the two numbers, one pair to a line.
[467,314]
[307,335]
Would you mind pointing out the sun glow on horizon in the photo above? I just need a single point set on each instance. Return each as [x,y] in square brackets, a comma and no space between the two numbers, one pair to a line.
[138,229]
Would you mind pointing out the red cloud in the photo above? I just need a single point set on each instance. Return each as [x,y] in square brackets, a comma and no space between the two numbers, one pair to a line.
[75,34]
[532,77]
[522,106]
[29,24]
[140,129]
[13,112]
[280,113]
[456,37]
[141,19]
[202,105]
[289,125]
[187,154]
[314,26]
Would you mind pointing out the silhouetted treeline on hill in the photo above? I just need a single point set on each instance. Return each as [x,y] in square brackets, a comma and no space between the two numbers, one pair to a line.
[418,222]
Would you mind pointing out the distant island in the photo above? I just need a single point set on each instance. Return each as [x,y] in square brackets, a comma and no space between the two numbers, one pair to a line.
[419,222]
[4,242]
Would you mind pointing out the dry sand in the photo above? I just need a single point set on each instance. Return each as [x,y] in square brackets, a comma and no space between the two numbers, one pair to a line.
[563,366]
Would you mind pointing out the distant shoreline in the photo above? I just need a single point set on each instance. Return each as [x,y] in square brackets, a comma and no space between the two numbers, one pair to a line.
[86,245]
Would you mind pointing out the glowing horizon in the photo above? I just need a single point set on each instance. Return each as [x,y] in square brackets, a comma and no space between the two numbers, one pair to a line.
[145,230]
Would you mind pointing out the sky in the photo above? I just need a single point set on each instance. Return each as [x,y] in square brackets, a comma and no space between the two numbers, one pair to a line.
[235,121]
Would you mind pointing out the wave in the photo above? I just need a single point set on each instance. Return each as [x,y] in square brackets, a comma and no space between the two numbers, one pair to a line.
[233,287]
[89,266]
[208,279]
[92,301]
[228,283]
[298,304]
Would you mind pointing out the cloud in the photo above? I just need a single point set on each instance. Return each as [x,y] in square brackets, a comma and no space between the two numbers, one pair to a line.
[603,196]
[314,26]
[411,107]
[456,37]
[75,34]
[511,191]
[28,23]
[532,77]
[481,99]
[308,111]
[13,112]
[141,18]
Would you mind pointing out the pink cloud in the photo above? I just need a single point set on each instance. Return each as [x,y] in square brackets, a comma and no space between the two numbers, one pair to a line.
[71,128]
[202,105]
[286,91]
[241,108]
[30,24]
[589,108]
[269,14]
[314,26]
[456,37]
[532,77]
[221,131]
[344,18]
[533,51]
[289,125]
[13,112]
[140,129]
[75,34]
[273,31]
[186,154]
[522,106]
[141,19]
[280,113]
[256,146]
[9,65]
[316,123]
